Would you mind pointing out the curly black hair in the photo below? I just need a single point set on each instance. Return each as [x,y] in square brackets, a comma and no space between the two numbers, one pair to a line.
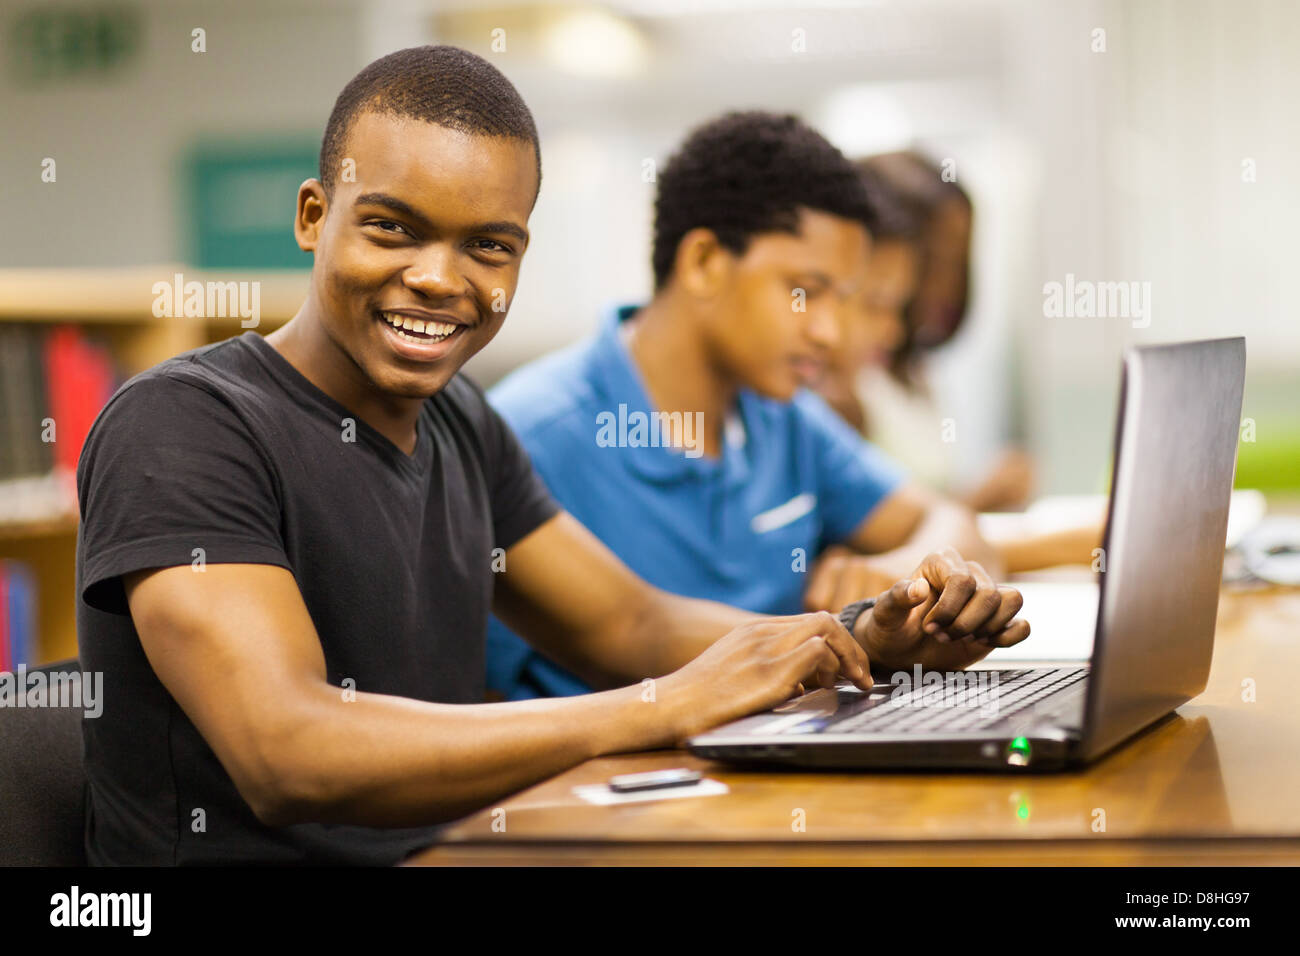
[747,173]
[444,85]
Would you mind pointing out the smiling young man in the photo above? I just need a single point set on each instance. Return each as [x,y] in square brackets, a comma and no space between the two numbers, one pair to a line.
[762,245]
[287,550]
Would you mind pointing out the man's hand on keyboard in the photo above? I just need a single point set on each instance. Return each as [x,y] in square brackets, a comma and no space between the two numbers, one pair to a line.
[946,616]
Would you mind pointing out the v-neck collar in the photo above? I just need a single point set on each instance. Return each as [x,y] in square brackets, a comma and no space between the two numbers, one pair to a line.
[304,386]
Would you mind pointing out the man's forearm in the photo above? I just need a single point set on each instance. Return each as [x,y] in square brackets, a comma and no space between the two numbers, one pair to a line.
[378,760]
[652,633]
[674,630]
[1068,546]
[945,524]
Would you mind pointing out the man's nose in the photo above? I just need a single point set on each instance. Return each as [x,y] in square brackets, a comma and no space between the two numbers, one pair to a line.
[824,328]
[436,274]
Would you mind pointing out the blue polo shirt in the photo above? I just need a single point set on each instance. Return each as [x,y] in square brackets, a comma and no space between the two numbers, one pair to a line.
[743,528]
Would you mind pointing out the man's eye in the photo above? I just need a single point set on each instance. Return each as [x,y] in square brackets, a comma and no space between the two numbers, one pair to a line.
[387,225]
[491,245]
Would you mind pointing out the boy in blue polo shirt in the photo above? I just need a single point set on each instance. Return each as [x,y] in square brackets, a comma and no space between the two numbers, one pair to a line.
[683,436]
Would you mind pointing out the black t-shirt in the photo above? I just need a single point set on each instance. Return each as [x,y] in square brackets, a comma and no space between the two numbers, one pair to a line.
[229,449]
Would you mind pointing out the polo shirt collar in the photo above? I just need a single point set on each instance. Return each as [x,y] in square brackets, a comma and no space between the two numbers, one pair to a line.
[621,383]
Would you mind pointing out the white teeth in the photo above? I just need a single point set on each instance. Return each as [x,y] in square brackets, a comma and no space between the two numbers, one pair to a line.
[422,341]
[437,330]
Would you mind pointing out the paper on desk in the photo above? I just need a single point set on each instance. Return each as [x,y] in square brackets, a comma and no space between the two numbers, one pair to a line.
[1062,616]
[601,795]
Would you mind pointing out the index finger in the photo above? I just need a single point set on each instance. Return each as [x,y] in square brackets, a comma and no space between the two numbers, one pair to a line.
[854,663]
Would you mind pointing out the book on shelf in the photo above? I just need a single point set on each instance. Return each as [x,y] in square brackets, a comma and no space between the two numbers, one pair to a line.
[53,382]
[17,615]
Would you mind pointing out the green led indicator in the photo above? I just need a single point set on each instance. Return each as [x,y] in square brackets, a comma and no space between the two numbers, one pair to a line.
[1020,745]
[1018,752]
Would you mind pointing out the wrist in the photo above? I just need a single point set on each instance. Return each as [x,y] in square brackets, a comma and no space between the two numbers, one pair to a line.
[882,663]
[652,714]
[855,617]
[680,715]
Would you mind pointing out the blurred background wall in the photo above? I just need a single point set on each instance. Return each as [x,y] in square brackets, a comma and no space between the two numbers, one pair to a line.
[1161,157]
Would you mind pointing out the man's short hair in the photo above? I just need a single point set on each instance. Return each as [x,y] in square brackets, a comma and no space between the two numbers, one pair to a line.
[444,85]
[747,173]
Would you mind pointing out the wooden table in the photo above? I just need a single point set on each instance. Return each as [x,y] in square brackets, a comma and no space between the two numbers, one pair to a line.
[1217,782]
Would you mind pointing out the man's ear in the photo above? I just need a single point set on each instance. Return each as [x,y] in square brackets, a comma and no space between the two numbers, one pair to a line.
[310,217]
[702,264]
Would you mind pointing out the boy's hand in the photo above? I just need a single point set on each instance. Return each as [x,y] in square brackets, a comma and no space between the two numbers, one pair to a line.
[947,616]
[760,665]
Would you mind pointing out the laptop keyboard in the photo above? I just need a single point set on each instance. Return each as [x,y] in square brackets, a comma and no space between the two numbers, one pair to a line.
[921,709]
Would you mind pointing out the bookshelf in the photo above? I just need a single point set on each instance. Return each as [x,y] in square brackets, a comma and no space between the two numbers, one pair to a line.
[115,306]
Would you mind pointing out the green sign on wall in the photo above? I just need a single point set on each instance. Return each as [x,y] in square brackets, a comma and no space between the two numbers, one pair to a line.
[52,43]
[242,201]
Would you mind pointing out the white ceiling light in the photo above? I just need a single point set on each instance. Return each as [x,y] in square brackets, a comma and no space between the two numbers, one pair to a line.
[594,42]
[865,119]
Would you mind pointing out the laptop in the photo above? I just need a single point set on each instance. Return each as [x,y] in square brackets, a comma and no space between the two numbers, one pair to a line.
[1175,456]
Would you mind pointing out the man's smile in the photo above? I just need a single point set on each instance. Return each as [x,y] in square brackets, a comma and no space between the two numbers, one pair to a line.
[424,339]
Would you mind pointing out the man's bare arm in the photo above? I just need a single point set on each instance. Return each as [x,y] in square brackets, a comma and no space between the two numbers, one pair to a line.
[912,522]
[236,647]
[570,596]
